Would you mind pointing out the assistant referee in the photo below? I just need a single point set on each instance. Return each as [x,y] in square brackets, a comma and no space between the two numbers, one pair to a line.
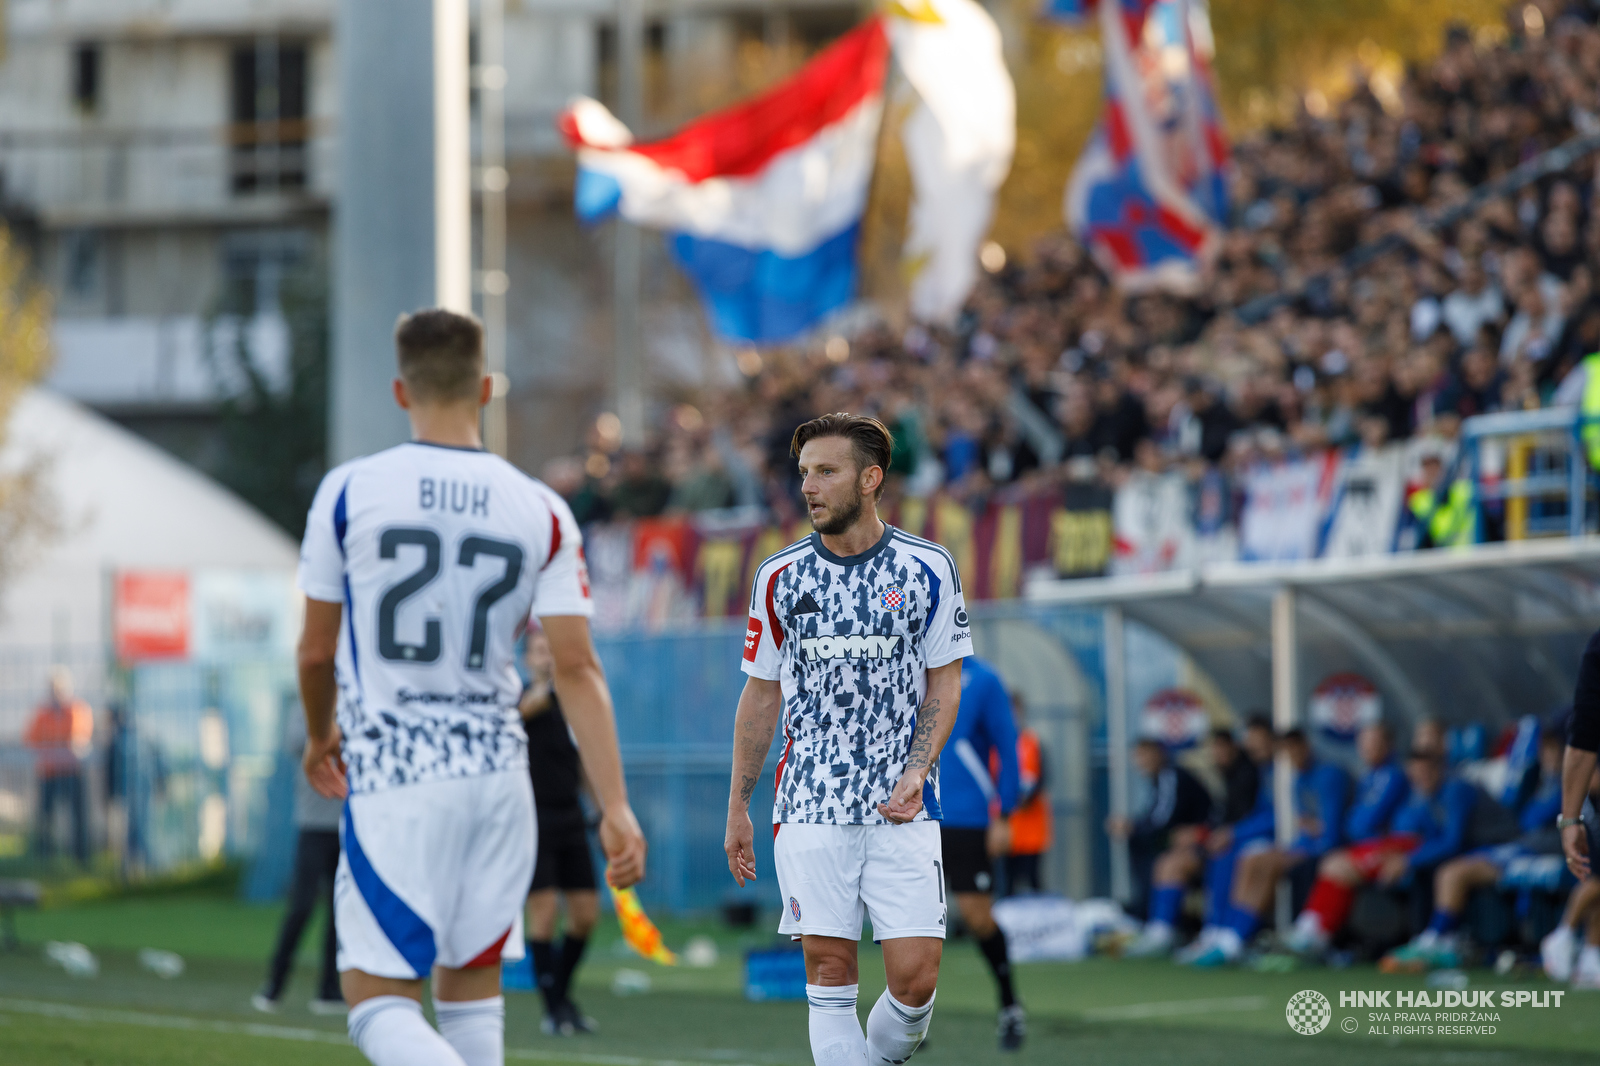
[564,867]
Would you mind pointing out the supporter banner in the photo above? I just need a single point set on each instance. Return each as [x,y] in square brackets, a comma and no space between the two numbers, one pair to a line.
[1343,703]
[654,571]
[1285,506]
[1366,506]
[1151,522]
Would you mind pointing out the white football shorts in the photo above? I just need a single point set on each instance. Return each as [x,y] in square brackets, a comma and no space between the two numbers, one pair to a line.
[829,874]
[435,873]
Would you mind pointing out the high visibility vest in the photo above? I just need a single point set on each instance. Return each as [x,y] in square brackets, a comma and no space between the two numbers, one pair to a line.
[1451,522]
[1030,823]
[1589,410]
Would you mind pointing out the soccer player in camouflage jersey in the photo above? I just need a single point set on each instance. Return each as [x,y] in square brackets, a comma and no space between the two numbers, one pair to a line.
[855,641]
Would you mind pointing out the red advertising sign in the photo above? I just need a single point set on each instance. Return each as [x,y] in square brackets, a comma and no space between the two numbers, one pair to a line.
[150,616]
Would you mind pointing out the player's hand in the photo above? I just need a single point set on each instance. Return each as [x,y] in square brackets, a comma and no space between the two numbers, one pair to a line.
[906,800]
[740,844]
[324,765]
[1575,842]
[997,841]
[1220,840]
[623,842]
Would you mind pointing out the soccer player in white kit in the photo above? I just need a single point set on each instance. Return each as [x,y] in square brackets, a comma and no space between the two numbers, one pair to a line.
[421,567]
[855,640]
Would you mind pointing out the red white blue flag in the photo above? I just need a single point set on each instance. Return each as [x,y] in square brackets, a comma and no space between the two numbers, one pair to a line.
[1149,194]
[762,201]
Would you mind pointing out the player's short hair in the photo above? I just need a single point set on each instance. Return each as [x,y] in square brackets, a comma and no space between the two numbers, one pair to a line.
[870,441]
[440,354]
[1294,736]
[1223,733]
[1257,720]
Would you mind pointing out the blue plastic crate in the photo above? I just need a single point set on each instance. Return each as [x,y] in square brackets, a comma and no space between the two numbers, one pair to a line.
[778,973]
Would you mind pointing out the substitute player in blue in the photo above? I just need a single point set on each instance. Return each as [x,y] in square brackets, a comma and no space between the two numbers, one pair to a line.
[421,566]
[855,641]
[973,831]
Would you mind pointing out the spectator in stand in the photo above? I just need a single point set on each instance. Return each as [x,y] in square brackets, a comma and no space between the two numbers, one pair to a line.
[1177,802]
[61,736]
[1030,825]
[316,861]
[1474,304]
[641,491]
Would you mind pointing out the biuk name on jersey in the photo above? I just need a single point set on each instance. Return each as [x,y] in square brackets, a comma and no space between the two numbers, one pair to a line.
[439,556]
[851,640]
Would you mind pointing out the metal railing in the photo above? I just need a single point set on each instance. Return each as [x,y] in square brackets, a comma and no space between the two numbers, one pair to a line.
[1534,465]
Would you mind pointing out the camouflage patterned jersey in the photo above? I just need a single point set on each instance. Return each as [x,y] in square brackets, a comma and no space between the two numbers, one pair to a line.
[851,640]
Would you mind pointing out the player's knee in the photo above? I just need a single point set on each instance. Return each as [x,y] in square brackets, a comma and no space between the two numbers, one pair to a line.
[914,989]
[835,970]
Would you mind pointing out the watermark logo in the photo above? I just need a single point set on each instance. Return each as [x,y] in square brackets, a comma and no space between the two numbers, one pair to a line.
[1309,1012]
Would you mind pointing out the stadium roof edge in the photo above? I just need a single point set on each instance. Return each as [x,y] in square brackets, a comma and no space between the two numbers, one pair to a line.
[1106,591]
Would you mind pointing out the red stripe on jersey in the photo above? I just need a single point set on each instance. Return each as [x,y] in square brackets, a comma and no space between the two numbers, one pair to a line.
[772,609]
[777,777]
[490,956]
[555,538]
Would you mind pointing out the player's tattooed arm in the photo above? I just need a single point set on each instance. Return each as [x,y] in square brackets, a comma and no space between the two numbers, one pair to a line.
[753,726]
[922,752]
[935,718]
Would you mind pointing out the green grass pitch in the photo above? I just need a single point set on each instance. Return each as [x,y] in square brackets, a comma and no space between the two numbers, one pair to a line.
[1102,1012]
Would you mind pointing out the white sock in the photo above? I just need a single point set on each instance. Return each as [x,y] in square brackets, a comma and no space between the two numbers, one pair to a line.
[1158,930]
[894,1030]
[476,1028]
[1589,960]
[836,1037]
[391,1031]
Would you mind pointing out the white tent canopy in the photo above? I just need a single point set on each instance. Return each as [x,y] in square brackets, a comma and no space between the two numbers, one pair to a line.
[122,504]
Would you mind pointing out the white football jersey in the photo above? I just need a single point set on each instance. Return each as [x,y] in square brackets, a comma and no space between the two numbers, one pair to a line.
[439,555]
[852,640]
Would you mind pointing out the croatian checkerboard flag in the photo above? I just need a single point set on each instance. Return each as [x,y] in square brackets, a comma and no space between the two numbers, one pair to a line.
[762,201]
[1149,193]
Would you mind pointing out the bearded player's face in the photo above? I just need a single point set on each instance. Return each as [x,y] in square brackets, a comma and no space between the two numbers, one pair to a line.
[831,484]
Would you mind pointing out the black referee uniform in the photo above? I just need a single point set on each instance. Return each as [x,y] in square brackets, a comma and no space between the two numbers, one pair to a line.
[564,862]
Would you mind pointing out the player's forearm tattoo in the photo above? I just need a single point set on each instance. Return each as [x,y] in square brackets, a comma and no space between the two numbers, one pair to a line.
[921,756]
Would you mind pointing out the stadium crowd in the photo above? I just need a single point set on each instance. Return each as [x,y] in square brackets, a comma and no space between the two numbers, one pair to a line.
[1432,855]
[1050,359]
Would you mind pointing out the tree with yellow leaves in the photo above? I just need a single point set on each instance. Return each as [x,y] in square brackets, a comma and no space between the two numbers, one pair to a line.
[27,507]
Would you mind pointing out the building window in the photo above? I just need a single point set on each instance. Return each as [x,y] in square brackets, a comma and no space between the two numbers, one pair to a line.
[269,130]
[86,77]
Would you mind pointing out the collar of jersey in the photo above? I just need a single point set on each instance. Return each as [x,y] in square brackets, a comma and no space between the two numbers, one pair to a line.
[446,447]
[852,560]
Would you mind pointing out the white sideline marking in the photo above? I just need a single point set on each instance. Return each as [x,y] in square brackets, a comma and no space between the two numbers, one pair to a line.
[284,1032]
[1174,1008]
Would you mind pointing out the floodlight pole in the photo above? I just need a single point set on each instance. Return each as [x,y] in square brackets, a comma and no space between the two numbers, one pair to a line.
[628,364]
[493,180]
[1116,667]
[1285,716]
[452,159]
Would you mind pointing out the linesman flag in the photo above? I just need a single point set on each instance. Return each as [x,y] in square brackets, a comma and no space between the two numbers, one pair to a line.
[637,928]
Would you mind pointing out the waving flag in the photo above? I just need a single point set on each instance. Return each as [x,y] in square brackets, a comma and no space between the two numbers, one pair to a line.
[1149,193]
[958,143]
[764,200]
